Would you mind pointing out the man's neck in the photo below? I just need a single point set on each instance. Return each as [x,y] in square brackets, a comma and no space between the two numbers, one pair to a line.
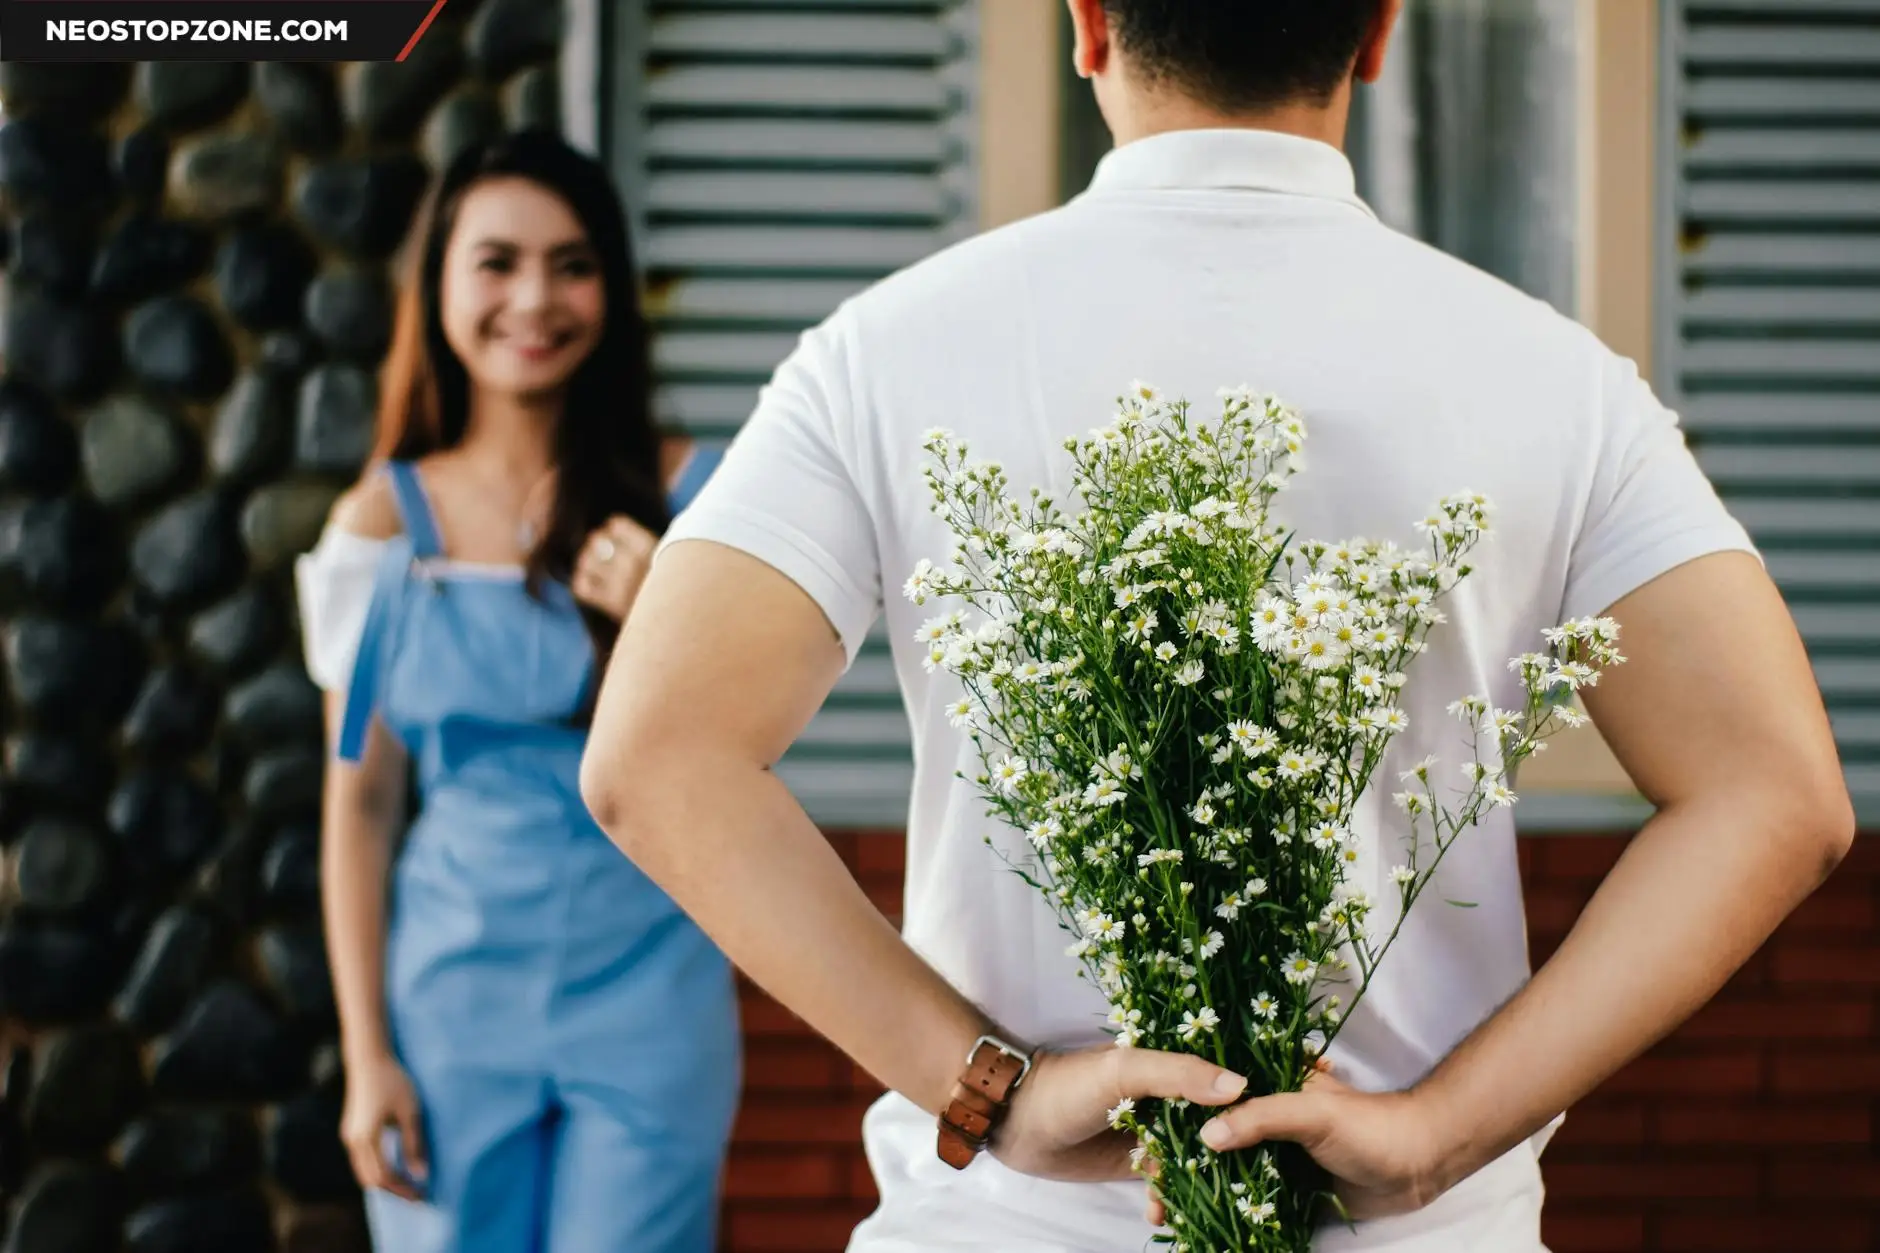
[1166,112]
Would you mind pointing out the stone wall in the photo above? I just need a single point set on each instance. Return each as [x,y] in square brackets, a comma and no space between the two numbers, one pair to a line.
[198,298]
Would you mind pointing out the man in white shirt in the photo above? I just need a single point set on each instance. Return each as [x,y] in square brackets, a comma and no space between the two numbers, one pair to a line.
[1220,243]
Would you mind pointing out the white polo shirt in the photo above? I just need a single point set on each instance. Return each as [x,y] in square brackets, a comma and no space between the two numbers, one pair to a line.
[1198,260]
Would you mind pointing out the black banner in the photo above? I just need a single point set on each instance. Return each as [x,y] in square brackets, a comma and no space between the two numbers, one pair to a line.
[213,30]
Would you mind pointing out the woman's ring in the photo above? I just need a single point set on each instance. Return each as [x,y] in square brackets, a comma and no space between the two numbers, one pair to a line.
[604,550]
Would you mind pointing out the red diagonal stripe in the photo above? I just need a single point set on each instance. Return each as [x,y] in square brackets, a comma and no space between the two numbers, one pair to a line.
[423,26]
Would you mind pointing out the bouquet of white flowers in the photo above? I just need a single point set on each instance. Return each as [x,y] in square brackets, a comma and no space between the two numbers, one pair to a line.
[1180,706]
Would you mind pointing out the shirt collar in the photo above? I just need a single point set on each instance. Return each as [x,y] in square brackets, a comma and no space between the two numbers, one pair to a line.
[1231,159]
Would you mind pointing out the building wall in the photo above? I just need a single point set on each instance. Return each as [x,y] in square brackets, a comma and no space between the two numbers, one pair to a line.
[1751,1130]
[199,294]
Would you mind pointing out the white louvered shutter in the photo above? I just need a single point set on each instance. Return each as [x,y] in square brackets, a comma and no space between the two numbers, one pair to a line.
[778,156]
[1769,335]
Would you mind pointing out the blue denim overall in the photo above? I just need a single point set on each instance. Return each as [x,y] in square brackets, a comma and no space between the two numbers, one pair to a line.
[572,1035]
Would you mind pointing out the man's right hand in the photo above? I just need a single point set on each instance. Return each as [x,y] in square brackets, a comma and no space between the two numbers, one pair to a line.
[1058,1124]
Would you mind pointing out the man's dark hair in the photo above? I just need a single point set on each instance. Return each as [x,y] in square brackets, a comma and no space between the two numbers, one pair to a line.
[1240,56]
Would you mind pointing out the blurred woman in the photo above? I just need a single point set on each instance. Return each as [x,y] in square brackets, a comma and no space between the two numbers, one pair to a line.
[541,1050]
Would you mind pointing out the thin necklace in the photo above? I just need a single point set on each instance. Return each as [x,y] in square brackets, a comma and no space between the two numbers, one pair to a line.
[527,533]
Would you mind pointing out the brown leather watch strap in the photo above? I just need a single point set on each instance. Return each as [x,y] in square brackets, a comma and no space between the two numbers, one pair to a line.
[992,1074]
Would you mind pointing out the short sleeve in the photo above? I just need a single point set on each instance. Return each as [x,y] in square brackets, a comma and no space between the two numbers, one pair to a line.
[786,491]
[1652,509]
[333,584]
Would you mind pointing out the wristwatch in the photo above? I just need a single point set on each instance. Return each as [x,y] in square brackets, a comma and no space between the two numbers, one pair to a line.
[994,1069]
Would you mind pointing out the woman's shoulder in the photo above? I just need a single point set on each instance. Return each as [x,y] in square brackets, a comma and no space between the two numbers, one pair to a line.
[367,510]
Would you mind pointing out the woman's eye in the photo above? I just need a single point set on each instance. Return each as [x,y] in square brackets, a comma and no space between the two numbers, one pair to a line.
[580,267]
[496,265]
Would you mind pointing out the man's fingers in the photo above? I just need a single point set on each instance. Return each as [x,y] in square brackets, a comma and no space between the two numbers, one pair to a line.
[1154,1211]
[1296,1116]
[1324,1079]
[1150,1072]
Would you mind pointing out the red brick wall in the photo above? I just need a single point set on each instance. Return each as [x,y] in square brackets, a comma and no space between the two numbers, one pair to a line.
[1750,1131]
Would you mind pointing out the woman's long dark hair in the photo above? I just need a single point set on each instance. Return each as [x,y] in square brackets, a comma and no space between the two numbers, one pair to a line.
[606,446]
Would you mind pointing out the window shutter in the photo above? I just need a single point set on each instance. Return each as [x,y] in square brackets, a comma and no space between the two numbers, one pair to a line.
[1769,330]
[779,156]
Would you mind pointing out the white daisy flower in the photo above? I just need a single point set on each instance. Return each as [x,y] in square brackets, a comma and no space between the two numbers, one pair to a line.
[1198,1023]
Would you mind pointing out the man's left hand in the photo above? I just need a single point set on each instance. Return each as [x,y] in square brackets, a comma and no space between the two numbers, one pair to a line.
[1380,1148]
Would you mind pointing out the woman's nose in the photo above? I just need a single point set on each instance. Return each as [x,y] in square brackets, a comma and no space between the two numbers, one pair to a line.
[532,290]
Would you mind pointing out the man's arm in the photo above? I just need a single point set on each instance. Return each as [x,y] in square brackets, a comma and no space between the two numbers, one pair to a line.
[721,665]
[1717,718]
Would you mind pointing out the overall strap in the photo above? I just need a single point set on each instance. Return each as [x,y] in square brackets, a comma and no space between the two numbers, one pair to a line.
[414,510]
[698,468]
[362,691]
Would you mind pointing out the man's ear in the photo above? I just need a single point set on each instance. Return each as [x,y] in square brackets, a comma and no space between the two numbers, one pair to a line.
[1372,52]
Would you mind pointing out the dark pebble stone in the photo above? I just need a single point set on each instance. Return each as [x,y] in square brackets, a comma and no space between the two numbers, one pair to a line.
[293,961]
[15,1157]
[188,1150]
[506,35]
[90,1083]
[148,255]
[68,348]
[174,344]
[16,806]
[134,451]
[143,164]
[165,819]
[62,867]
[535,100]
[73,672]
[61,553]
[184,95]
[48,162]
[59,766]
[230,1046]
[135,913]
[190,553]
[335,1229]
[283,520]
[361,205]
[465,120]
[328,1064]
[335,421]
[231,880]
[69,1207]
[350,309]
[388,99]
[176,961]
[284,784]
[77,93]
[261,275]
[302,102]
[54,973]
[227,1222]
[289,352]
[226,176]
[173,715]
[305,1154]
[253,438]
[38,447]
[277,708]
[51,251]
[240,633]
[290,875]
